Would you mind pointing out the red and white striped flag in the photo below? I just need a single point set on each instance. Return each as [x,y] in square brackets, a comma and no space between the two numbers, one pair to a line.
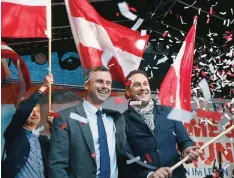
[100,42]
[24,75]
[24,18]
[175,89]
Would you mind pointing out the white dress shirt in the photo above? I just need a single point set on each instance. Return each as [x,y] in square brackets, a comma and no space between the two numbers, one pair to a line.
[109,125]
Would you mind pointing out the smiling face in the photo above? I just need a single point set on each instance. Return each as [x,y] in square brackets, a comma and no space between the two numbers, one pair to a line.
[34,118]
[139,89]
[98,87]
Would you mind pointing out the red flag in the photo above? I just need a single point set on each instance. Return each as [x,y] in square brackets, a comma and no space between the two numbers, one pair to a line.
[93,35]
[24,18]
[24,75]
[175,89]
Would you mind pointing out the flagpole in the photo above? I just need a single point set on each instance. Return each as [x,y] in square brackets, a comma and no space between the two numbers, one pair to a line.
[49,35]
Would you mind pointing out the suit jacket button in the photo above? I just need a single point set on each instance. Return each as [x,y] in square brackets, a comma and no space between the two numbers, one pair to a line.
[25,157]
[18,166]
[94,172]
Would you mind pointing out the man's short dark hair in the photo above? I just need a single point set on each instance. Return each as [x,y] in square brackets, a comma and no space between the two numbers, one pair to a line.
[138,71]
[95,69]
[61,96]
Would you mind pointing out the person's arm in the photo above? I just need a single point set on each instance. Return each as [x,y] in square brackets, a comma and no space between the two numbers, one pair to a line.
[21,115]
[25,108]
[59,148]
[182,138]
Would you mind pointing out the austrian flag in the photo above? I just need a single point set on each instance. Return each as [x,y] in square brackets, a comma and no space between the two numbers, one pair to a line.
[175,89]
[24,18]
[100,42]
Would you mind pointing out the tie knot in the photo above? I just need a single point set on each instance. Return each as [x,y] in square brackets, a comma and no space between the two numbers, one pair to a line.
[99,112]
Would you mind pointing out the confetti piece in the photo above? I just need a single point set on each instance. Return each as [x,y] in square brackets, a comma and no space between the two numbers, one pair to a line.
[78,118]
[148,158]
[164,34]
[205,89]
[211,10]
[124,10]
[137,24]
[53,114]
[186,7]
[214,116]
[143,32]
[199,11]
[63,126]
[131,103]
[133,160]
[164,59]
[180,115]
[223,13]
[93,155]
[91,76]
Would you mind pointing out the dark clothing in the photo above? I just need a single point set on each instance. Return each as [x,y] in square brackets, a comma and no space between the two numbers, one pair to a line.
[72,152]
[158,147]
[16,142]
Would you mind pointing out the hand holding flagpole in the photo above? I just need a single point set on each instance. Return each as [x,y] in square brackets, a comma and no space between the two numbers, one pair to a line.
[203,147]
[49,35]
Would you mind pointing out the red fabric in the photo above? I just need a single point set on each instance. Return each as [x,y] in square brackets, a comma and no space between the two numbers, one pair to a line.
[148,158]
[123,39]
[54,114]
[214,116]
[178,88]
[63,126]
[9,53]
[22,21]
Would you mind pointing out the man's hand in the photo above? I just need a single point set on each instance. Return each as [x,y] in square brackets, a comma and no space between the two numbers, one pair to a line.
[48,80]
[49,118]
[193,153]
[163,172]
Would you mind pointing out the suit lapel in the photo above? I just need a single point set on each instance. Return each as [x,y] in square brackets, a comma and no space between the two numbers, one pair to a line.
[157,119]
[86,131]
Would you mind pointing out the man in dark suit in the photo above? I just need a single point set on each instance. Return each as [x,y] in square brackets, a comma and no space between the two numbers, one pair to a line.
[26,153]
[87,140]
[150,134]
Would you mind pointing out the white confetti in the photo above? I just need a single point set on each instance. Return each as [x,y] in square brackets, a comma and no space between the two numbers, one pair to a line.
[123,8]
[133,160]
[186,7]
[223,13]
[205,89]
[137,24]
[135,103]
[164,59]
[180,115]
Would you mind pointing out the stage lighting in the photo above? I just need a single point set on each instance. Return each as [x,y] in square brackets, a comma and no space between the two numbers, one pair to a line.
[69,62]
[40,58]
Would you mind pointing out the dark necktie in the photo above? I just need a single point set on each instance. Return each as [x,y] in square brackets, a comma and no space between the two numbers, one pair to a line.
[103,146]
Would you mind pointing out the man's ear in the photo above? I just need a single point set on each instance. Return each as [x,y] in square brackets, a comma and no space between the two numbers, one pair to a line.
[127,93]
[86,86]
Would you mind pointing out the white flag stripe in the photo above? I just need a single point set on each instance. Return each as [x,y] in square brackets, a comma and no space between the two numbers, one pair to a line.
[28,2]
[95,36]
[176,66]
[4,47]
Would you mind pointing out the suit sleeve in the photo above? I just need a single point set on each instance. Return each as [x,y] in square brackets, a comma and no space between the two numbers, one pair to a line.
[21,115]
[59,149]
[183,140]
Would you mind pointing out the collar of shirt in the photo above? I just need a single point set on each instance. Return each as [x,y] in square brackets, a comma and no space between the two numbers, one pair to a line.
[31,132]
[90,108]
